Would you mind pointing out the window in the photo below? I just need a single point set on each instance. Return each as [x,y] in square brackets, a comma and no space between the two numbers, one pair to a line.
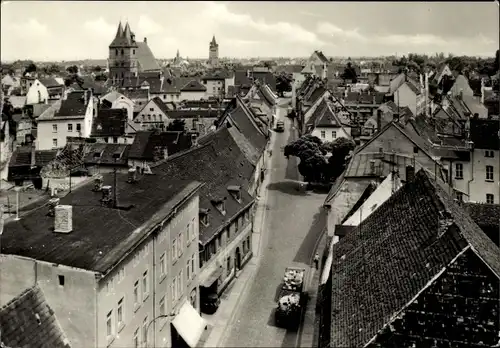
[115,140]
[145,285]
[54,142]
[151,109]
[162,306]
[188,269]
[323,134]
[54,128]
[164,96]
[334,134]
[70,127]
[228,266]
[174,250]
[122,52]
[173,287]
[144,330]
[489,153]
[162,265]
[180,283]
[188,233]
[193,234]
[133,51]
[490,198]
[136,338]
[78,127]
[192,298]
[415,149]
[193,259]
[180,245]
[109,324]
[61,280]
[489,173]
[136,293]
[459,171]
[460,196]
[119,313]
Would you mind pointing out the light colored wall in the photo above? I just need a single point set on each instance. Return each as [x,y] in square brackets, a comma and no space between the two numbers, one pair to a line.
[46,133]
[228,82]
[404,96]
[155,115]
[120,140]
[192,95]
[340,133]
[167,97]
[124,102]
[211,84]
[479,187]
[32,95]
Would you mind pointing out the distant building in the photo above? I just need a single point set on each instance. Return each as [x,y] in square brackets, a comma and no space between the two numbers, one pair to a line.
[213,54]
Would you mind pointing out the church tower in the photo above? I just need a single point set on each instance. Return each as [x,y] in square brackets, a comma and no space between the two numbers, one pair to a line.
[122,60]
[213,55]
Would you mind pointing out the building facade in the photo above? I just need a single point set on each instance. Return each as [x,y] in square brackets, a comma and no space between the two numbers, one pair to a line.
[213,53]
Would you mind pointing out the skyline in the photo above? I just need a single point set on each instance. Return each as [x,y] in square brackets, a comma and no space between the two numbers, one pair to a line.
[47,31]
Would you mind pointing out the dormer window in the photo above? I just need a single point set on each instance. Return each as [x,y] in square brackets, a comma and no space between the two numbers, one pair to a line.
[220,204]
[203,215]
[235,191]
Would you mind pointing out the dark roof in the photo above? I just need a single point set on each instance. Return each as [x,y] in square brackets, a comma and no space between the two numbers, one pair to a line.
[161,105]
[315,94]
[194,86]
[321,56]
[318,113]
[136,93]
[484,214]
[28,321]
[49,82]
[109,122]
[103,154]
[216,75]
[395,253]
[74,104]
[289,69]
[266,96]
[218,163]
[146,59]
[101,236]
[193,113]
[265,77]
[241,78]
[485,134]
[145,143]
[22,157]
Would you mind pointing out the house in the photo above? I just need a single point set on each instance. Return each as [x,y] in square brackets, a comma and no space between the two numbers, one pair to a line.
[434,262]
[44,89]
[409,94]
[10,81]
[26,82]
[249,137]
[140,97]
[329,123]
[198,121]
[193,90]
[110,126]
[116,100]
[67,117]
[150,147]
[362,105]
[225,209]
[152,116]
[217,83]
[317,65]
[102,158]
[26,164]
[35,321]
[440,73]
[108,267]
[388,112]
[394,148]
[308,100]
[461,87]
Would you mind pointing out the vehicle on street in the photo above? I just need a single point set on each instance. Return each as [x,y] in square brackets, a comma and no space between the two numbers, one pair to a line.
[210,304]
[280,126]
[291,298]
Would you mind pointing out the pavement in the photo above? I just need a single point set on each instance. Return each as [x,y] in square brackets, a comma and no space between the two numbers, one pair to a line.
[288,228]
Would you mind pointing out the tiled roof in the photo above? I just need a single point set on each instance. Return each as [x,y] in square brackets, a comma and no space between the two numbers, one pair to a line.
[74,105]
[484,214]
[28,321]
[103,154]
[193,86]
[218,163]
[145,143]
[22,157]
[49,82]
[329,119]
[113,96]
[134,94]
[146,59]
[395,253]
[318,113]
[485,134]
[315,94]
[161,105]
[217,75]
[109,122]
[101,236]
[193,113]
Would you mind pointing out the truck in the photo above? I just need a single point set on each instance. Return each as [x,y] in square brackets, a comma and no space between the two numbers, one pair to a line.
[291,298]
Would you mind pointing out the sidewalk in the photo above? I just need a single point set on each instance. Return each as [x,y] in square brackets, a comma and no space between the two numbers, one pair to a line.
[232,296]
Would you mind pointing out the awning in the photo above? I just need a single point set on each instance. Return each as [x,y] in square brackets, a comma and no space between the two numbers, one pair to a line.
[189,324]
[212,277]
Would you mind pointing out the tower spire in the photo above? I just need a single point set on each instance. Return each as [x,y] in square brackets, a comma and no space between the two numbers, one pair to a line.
[127,33]
[119,32]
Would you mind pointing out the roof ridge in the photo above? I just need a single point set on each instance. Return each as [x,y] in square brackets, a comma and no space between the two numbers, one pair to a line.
[181,153]
[20,296]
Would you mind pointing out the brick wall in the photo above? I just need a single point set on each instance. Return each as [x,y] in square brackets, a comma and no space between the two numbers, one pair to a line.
[461,309]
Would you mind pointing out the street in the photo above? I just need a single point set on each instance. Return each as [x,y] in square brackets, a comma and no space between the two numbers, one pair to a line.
[292,227]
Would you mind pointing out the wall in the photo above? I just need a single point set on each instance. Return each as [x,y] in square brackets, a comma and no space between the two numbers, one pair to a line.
[228,82]
[111,140]
[46,134]
[124,102]
[460,309]
[479,187]
[151,115]
[340,133]
[33,97]
[17,274]
[192,95]
[218,85]
[404,96]
[167,97]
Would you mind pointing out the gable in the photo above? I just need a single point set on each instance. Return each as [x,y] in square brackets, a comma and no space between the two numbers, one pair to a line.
[146,111]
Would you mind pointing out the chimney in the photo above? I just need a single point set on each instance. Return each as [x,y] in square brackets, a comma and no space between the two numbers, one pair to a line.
[145,40]
[396,117]
[33,156]
[53,203]
[379,120]
[97,183]
[410,173]
[132,176]
[372,166]
[63,221]
[374,99]
[106,195]
[427,106]
[482,90]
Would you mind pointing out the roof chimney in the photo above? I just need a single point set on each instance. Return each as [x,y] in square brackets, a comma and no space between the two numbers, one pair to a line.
[132,176]
[410,173]
[379,120]
[33,156]
[97,182]
[106,199]
[63,222]
[145,40]
[53,203]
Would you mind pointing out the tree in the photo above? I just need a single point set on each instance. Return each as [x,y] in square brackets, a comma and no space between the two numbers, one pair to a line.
[30,68]
[283,84]
[309,150]
[177,125]
[350,73]
[340,149]
[497,61]
[101,77]
[73,69]
[97,68]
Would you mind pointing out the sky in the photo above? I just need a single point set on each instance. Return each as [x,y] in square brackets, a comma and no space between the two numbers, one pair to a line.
[66,30]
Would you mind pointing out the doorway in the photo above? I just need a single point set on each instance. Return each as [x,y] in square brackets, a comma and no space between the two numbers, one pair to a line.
[238,259]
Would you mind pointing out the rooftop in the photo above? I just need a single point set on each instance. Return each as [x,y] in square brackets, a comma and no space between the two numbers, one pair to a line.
[109,122]
[104,154]
[394,254]
[147,142]
[485,134]
[74,105]
[101,236]
[28,321]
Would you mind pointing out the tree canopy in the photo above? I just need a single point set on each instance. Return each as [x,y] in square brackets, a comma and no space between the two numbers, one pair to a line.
[30,68]
[283,83]
[73,69]
[177,125]
[350,73]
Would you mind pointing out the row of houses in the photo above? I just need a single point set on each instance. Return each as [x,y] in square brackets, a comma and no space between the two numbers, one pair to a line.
[127,258]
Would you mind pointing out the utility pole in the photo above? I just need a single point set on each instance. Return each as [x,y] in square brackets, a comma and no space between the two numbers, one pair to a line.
[115,203]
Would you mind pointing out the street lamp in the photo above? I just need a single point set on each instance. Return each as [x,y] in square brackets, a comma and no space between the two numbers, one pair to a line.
[151,322]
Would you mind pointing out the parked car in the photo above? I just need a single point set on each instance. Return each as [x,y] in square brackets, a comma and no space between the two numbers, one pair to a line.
[280,126]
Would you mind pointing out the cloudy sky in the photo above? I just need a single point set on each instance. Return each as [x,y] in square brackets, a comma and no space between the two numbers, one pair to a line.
[46,30]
